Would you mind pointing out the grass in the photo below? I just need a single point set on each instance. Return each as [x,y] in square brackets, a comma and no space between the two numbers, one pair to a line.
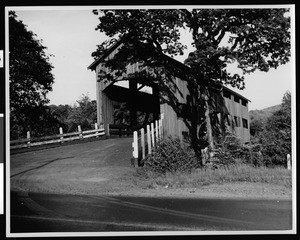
[207,176]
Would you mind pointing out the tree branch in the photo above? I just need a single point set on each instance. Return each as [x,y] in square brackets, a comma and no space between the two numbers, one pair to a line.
[221,36]
[237,40]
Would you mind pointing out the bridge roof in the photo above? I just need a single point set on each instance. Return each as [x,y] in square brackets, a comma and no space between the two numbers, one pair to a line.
[94,64]
[174,61]
[235,93]
[103,56]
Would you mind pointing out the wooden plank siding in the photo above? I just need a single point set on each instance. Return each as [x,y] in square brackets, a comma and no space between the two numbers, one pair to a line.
[172,125]
[236,109]
[105,106]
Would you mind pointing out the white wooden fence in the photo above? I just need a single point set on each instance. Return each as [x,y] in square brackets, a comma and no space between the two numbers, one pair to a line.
[59,138]
[144,141]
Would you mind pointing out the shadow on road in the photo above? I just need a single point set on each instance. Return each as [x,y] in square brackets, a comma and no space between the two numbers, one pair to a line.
[43,165]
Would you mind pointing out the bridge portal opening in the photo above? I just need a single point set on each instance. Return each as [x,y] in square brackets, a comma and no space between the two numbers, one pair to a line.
[135,103]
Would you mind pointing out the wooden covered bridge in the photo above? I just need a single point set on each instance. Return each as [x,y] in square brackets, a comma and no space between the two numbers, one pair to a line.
[145,104]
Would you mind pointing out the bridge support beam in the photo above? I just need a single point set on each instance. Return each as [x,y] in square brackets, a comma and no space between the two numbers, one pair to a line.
[132,98]
[156,102]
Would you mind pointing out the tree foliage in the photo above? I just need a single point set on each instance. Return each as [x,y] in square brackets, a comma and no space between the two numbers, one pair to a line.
[258,118]
[30,74]
[39,120]
[275,136]
[46,120]
[84,113]
[256,39]
[30,79]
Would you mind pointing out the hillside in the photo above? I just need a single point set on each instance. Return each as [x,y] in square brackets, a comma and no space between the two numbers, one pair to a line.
[263,114]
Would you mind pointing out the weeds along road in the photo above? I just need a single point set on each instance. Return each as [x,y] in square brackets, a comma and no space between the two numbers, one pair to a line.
[65,189]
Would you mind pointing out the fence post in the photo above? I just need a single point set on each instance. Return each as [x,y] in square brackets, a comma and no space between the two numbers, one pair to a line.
[162,117]
[148,139]
[61,133]
[80,132]
[288,156]
[152,134]
[143,143]
[28,137]
[160,128]
[135,153]
[108,134]
[96,128]
[156,131]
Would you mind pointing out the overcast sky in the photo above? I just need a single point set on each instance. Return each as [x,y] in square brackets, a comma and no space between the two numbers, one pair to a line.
[71,37]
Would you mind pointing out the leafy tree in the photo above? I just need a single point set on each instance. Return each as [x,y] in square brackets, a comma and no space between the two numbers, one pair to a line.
[30,77]
[287,104]
[39,120]
[61,112]
[84,113]
[256,126]
[276,138]
[256,39]
[258,118]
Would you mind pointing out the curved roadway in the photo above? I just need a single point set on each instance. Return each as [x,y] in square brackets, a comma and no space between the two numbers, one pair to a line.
[59,190]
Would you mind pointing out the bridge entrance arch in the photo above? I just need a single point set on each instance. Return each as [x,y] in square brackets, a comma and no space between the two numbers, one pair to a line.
[131,102]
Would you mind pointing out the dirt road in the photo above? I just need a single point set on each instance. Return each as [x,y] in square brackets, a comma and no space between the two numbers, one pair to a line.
[91,167]
[103,167]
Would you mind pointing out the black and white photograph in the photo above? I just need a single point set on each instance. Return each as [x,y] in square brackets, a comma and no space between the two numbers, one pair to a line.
[150,120]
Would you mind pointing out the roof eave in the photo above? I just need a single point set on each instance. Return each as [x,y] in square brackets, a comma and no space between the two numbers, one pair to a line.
[108,51]
[241,96]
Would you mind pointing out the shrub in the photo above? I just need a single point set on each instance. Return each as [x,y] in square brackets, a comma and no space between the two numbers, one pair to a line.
[231,151]
[170,155]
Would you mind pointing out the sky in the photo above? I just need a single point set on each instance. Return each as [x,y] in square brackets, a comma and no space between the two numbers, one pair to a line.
[71,37]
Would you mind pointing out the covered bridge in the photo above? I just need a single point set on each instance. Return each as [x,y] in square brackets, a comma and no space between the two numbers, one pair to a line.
[145,103]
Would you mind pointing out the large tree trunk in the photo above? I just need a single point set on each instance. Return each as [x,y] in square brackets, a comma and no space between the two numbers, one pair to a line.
[208,122]
[194,132]
[156,103]
[208,127]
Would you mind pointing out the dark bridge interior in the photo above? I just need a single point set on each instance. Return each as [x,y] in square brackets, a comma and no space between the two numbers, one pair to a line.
[136,100]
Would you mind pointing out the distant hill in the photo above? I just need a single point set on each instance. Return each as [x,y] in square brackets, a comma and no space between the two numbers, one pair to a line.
[263,114]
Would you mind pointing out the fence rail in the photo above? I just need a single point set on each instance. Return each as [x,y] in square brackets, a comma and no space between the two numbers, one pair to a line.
[145,141]
[58,138]
[120,130]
